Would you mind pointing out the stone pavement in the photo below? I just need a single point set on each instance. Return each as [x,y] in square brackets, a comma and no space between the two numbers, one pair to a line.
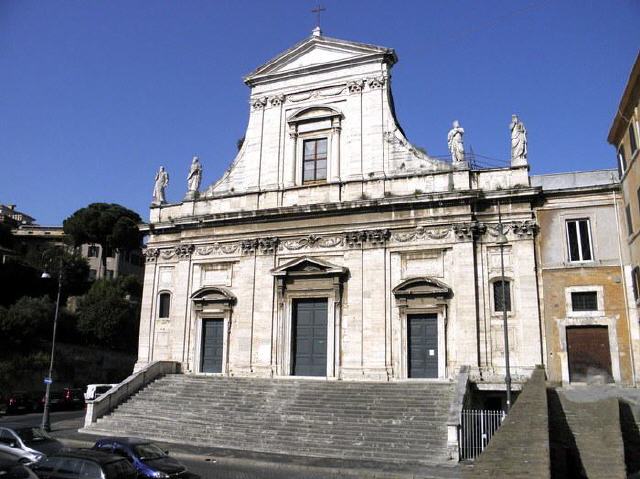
[236,464]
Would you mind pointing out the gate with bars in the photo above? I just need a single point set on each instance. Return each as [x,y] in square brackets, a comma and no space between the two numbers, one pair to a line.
[477,426]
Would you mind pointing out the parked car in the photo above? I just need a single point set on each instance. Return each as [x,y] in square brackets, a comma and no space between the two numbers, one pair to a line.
[11,468]
[33,442]
[20,402]
[95,390]
[85,464]
[56,401]
[72,398]
[148,459]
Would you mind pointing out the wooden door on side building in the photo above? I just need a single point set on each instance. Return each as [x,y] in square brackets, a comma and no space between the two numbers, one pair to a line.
[588,353]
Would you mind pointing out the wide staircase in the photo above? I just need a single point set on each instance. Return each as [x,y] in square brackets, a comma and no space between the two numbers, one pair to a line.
[350,420]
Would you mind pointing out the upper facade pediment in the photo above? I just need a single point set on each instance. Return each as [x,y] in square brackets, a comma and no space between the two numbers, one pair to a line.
[317,53]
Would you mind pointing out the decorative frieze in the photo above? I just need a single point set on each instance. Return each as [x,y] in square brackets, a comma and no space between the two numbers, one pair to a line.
[350,239]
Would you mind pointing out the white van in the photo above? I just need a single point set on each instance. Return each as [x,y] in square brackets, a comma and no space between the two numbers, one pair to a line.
[95,390]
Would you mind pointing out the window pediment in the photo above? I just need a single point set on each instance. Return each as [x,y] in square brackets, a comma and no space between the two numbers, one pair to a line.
[422,286]
[309,266]
[210,294]
[314,113]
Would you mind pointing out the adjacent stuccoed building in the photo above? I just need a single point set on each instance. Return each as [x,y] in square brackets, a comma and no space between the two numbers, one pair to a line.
[332,247]
[586,296]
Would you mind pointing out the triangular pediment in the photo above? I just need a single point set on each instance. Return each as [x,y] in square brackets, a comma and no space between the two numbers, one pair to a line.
[307,265]
[422,286]
[317,52]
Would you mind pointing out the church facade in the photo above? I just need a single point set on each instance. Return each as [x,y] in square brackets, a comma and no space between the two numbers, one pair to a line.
[333,248]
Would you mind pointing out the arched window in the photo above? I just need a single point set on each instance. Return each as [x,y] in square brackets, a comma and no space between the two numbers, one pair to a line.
[164,305]
[498,287]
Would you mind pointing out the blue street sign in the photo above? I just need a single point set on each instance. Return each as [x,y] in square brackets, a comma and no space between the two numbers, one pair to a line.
[48,381]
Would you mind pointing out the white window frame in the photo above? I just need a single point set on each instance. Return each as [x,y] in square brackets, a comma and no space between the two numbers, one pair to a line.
[570,313]
[566,228]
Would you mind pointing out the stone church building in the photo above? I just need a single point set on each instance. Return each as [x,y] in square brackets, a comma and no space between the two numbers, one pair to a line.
[334,248]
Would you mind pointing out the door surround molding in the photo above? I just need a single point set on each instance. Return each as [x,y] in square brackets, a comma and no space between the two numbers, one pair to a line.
[308,277]
[212,303]
[416,296]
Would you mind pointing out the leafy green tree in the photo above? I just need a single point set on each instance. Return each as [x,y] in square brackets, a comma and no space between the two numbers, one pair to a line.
[107,315]
[75,269]
[26,320]
[110,225]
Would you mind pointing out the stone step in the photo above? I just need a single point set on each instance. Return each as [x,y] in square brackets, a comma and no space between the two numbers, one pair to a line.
[352,420]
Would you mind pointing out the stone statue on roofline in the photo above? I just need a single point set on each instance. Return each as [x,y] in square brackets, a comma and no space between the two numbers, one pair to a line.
[194,178]
[519,145]
[161,182]
[456,145]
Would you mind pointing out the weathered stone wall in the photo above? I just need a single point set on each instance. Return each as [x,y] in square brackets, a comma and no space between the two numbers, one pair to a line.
[520,448]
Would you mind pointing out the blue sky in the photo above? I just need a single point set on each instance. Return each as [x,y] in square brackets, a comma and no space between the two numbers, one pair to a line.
[95,95]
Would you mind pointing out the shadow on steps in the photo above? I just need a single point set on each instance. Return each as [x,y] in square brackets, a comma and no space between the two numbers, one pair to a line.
[630,437]
[565,457]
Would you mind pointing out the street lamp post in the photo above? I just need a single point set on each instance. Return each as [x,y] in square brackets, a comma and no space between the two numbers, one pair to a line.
[502,240]
[46,423]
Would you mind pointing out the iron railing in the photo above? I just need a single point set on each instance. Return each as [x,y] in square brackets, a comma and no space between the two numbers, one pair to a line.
[477,426]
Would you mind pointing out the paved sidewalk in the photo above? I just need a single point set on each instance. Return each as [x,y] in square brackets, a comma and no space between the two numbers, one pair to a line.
[287,465]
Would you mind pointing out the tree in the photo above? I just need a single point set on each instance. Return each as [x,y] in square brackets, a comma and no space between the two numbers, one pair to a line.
[27,319]
[107,315]
[110,225]
[75,270]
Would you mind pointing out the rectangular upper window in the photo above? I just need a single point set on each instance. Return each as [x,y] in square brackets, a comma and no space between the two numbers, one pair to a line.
[633,141]
[501,289]
[579,240]
[622,162]
[627,210]
[314,164]
[584,301]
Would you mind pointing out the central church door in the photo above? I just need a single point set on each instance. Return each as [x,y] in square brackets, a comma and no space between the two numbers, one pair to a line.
[422,339]
[309,337]
[212,345]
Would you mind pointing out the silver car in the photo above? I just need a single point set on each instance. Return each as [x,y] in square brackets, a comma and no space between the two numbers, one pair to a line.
[30,443]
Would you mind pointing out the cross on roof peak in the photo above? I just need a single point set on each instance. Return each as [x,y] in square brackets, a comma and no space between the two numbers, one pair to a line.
[317,10]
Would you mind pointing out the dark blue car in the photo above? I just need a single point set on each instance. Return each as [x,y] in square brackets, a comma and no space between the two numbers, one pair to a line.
[148,459]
